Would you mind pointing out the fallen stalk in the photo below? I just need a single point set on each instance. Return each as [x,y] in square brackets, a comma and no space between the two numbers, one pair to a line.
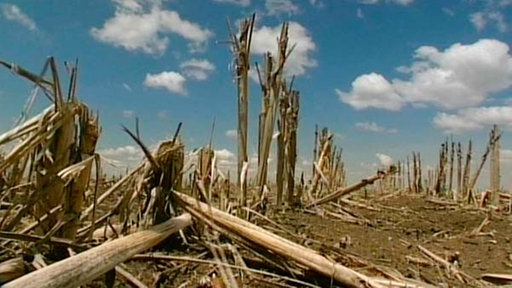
[347,190]
[281,246]
[211,262]
[86,266]
[34,238]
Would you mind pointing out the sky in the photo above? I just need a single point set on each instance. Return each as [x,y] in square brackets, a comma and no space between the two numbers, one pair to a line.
[387,77]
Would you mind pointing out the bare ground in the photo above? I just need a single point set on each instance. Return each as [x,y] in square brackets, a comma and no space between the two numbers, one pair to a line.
[386,244]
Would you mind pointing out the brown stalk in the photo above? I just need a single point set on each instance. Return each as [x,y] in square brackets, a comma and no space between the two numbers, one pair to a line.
[86,266]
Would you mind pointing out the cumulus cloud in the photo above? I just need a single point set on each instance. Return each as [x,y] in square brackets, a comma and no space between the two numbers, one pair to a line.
[277,7]
[198,69]
[128,150]
[479,20]
[398,2]
[232,134]
[482,19]
[171,81]
[384,159]
[504,3]
[317,3]
[121,157]
[471,119]
[372,91]
[359,13]
[491,15]
[243,3]
[373,127]
[401,2]
[129,114]
[448,11]
[127,87]
[301,59]
[145,26]
[506,155]
[162,115]
[129,5]
[224,154]
[226,160]
[460,76]
[13,13]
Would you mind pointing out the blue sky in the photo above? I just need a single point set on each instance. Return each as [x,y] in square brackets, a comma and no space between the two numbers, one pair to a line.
[386,76]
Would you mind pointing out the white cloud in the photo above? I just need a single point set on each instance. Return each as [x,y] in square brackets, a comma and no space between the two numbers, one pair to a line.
[127,87]
[448,11]
[172,81]
[265,40]
[306,162]
[491,14]
[121,158]
[123,152]
[317,3]
[129,5]
[232,134]
[478,20]
[471,119]
[136,27]
[226,160]
[506,155]
[398,2]
[505,3]
[384,159]
[460,76]
[372,91]
[128,114]
[13,13]
[277,7]
[368,165]
[401,2]
[198,69]
[224,154]
[369,2]
[162,115]
[243,3]
[373,127]
[499,20]
[360,13]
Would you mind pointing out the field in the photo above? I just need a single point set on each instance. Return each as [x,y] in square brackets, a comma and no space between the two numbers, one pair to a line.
[178,220]
[388,244]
